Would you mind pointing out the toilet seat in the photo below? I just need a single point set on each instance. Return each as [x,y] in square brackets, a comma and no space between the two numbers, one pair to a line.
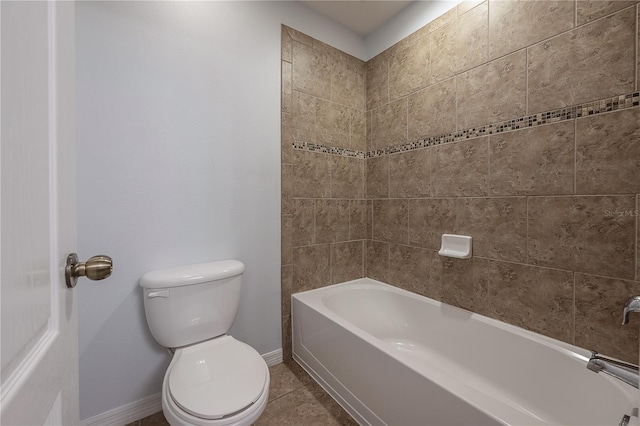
[216,379]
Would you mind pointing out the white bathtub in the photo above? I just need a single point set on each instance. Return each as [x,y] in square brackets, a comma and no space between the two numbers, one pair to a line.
[391,357]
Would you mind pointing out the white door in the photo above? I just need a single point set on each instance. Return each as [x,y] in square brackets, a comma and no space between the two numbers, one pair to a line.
[39,355]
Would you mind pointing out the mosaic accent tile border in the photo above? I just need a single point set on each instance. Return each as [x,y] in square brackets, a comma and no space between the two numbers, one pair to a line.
[567,113]
[345,152]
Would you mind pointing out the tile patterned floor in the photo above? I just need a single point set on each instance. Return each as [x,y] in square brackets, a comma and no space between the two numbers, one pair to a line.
[295,399]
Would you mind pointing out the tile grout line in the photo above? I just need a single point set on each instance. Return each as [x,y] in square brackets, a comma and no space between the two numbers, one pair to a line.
[325,244]
[637,256]
[488,31]
[388,83]
[526,237]
[349,213]
[351,130]
[364,254]
[331,247]
[453,197]
[406,130]
[526,81]
[456,224]
[575,157]
[431,154]
[313,236]
[574,309]
[455,83]
[285,394]
[406,202]
[388,271]
[329,101]
[551,268]
[408,216]
[388,165]
[489,166]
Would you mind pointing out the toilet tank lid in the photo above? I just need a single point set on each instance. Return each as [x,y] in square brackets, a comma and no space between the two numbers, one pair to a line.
[192,274]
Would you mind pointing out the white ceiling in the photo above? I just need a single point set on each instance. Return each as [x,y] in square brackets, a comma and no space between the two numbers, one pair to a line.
[361,16]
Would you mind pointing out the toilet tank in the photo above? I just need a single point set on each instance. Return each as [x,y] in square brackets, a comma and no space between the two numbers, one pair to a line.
[189,304]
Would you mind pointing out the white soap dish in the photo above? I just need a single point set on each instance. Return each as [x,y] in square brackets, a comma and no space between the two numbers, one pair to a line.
[458,246]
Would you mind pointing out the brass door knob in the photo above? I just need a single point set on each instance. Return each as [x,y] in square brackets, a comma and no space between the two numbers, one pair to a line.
[96,268]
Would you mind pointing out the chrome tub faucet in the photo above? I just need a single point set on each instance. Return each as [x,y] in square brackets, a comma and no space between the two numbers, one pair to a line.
[632,305]
[624,371]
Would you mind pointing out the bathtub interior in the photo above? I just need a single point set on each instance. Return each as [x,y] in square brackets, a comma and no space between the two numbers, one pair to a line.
[474,356]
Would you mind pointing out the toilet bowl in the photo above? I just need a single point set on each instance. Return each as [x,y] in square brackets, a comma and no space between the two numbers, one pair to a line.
[213,379]
[219,382]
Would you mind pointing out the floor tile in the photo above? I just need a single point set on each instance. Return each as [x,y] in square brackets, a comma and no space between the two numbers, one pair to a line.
[309,406]
[285,378]
[156,419]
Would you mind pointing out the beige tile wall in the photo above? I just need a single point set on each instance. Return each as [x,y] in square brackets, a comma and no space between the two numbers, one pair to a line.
[324,210]
[553,208]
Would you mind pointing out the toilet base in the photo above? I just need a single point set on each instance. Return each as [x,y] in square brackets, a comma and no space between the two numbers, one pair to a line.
[178,417]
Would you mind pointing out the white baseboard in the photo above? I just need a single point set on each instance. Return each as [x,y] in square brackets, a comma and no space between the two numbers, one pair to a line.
[144,407]
[273,358]
[127,413]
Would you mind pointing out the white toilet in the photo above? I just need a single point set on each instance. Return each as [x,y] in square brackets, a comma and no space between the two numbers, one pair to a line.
[213,379]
